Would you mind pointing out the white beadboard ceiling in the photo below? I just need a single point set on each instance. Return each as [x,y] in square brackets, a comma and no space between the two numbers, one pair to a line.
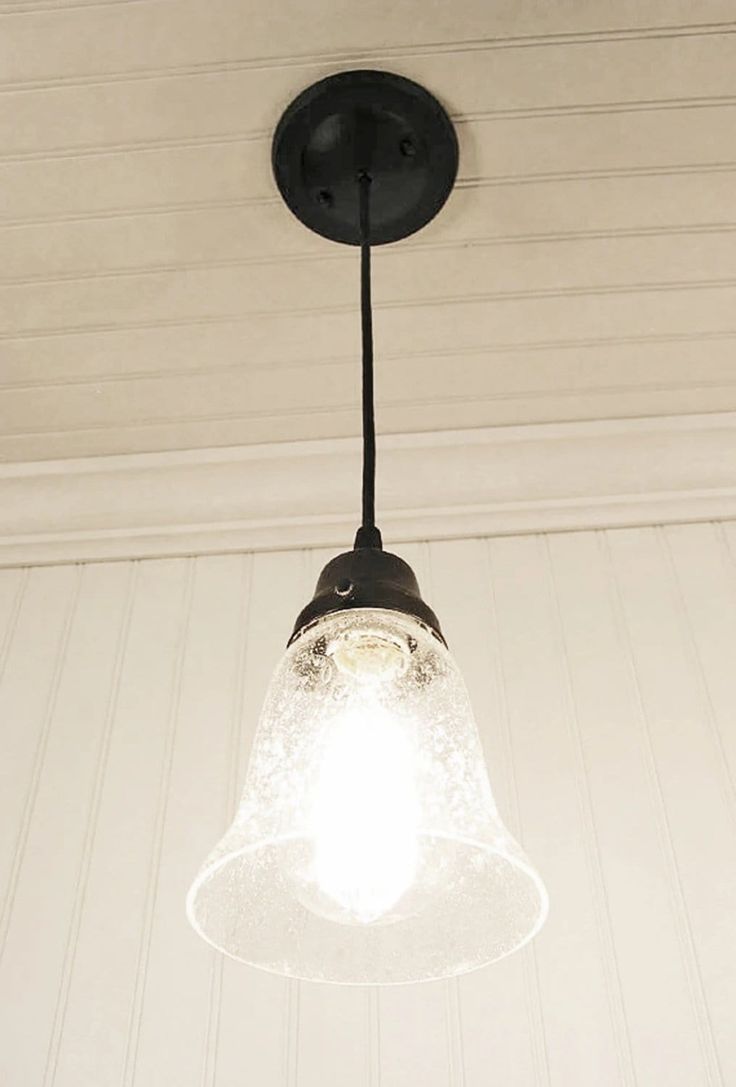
[157,295]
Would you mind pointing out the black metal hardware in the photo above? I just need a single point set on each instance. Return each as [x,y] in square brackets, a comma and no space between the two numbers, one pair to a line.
[379,122]
[365,158]
[367,577]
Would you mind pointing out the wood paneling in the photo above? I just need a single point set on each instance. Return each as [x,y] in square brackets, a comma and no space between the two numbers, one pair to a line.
[134,37]
[156,294]
[600,666]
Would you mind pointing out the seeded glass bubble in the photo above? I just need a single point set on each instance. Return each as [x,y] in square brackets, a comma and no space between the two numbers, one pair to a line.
[367,847]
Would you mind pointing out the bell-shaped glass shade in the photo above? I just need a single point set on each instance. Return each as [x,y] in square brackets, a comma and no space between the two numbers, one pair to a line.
[367,847]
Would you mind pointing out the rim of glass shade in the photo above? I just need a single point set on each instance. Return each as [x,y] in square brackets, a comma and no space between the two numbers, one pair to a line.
[210,869]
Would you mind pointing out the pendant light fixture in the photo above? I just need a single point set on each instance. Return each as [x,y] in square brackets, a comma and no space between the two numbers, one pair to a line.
[367,847]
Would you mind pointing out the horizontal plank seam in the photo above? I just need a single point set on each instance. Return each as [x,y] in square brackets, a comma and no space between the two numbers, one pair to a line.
[396,52]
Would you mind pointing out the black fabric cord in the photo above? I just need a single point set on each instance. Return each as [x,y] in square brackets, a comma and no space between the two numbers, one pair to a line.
[368,535]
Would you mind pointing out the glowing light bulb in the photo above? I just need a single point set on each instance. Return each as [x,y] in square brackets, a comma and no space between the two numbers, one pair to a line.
[366,810]
[366,814]
[367,847]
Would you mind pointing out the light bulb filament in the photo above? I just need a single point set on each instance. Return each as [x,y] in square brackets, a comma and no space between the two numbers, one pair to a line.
[366,812]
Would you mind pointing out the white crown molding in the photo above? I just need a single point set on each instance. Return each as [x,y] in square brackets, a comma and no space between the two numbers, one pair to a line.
[505,480]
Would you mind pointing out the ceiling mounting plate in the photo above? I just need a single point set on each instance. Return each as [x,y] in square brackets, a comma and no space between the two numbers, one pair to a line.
[365,121]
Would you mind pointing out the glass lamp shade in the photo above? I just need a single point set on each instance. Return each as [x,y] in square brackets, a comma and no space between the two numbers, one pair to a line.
[367,848]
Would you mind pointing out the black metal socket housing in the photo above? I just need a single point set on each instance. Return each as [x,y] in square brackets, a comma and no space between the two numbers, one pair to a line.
[367,577]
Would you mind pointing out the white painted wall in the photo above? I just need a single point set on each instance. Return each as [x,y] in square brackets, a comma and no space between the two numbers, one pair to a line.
[601,665]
